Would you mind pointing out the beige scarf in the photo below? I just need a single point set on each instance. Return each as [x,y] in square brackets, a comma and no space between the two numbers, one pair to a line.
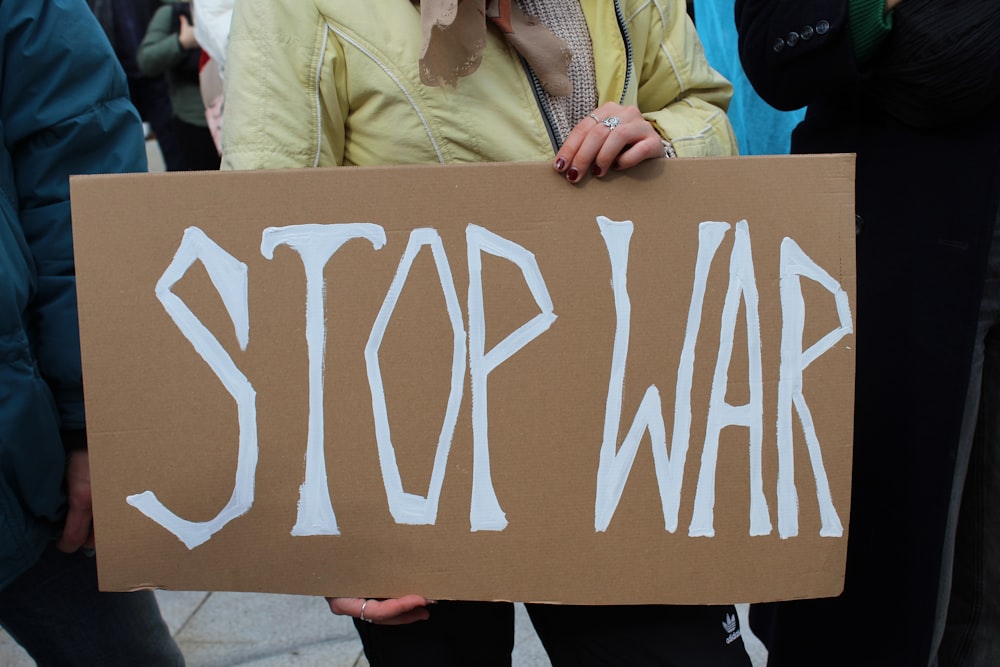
[455,36]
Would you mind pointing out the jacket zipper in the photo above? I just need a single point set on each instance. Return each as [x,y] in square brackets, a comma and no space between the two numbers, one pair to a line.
[629,63]
[539,92]
[543,104]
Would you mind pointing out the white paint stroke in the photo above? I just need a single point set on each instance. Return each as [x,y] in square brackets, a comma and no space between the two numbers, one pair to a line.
[229,276]
[409,508]
[616,464]
[316,244]
[486,513]
[795,264]
[721,414]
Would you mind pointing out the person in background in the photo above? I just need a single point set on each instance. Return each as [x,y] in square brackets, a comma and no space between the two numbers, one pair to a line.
[589,87]
[170,48]
[760,128]
[913,89]
[64,109]
[125,22]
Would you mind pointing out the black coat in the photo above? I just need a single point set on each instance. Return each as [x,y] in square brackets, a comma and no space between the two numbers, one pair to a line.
[926,132]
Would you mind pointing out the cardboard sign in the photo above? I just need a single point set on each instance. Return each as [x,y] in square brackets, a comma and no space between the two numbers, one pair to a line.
[473,381]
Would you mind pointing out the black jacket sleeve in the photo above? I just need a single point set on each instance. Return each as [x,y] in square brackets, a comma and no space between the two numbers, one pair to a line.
[795,51]
[941,63]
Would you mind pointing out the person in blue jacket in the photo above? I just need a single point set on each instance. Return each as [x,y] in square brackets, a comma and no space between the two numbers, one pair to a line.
[64,109]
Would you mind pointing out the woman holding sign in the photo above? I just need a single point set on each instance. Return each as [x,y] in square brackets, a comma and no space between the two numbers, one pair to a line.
[590,86]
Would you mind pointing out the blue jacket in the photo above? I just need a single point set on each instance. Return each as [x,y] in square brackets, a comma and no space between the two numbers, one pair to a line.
[64,109]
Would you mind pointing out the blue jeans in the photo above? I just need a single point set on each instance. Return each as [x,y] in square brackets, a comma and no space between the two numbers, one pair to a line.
[969,609]
[54,611]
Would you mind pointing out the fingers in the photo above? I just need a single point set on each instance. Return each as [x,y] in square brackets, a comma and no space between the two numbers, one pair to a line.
[612,137]
[76,531]
[185,34]
[79,513]
[393,611]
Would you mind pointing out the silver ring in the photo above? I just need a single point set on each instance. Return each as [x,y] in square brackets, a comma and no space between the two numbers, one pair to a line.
[610,122]
[362,617]
[595,117]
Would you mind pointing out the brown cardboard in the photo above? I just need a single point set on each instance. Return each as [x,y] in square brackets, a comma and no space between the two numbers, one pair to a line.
[161,420]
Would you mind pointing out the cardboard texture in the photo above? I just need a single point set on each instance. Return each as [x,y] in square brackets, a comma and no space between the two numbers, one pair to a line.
[226,377]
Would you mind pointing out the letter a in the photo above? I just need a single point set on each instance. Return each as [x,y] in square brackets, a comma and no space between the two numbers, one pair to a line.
[742,285]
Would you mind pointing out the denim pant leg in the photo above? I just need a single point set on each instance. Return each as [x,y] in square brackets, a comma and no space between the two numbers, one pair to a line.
[969,616]
[55,611]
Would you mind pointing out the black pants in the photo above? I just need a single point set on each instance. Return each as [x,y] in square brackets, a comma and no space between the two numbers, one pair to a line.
[457,633]
[197,147]
[482,633]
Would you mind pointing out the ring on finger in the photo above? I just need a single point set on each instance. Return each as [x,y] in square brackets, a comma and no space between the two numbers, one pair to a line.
[595,117]
[362,617]
[611,122]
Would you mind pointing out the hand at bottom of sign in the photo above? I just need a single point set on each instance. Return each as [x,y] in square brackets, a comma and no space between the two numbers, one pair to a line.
[393,611]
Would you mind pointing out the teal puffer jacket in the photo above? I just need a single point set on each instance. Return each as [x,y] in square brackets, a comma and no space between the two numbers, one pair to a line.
[64,109]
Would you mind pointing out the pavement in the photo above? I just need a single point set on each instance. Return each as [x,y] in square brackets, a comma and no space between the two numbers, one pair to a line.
[270,630]
[225,629]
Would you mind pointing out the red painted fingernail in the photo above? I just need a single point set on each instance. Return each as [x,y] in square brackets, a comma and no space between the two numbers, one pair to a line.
[573,174]
[595,170]
[560,164]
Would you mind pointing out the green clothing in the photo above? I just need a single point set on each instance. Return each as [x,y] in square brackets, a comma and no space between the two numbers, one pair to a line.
[161,53]
[870,25]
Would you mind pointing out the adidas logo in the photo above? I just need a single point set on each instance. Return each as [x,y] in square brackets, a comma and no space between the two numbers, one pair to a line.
[729,625]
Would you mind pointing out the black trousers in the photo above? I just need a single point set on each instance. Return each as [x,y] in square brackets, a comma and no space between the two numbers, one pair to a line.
[197,147]
[482,634]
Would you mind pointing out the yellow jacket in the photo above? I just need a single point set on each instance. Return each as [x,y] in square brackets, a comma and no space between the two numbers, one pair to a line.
[328,82]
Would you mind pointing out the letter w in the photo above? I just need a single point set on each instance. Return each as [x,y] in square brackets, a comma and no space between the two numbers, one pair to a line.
[615,465]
